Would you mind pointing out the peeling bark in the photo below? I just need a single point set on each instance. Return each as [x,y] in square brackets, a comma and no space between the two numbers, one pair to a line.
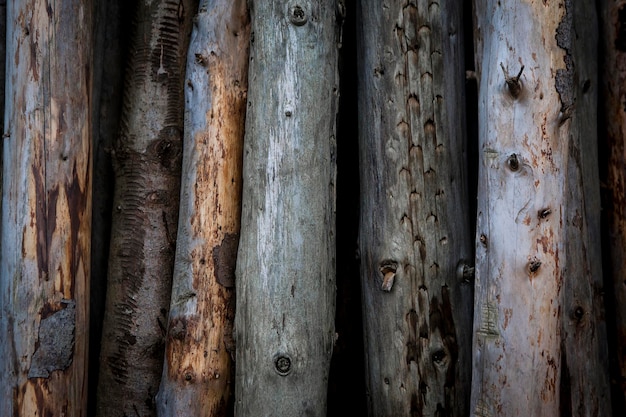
[520,251]
[197,377]
[46,210]
[285,267]
[414,232]
[147,158]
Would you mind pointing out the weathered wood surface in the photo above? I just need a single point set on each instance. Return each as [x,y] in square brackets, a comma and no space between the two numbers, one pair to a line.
[147,162]
[285,268]
[46,210]
[414,236]
[613,14]
[584,359]
[524,133]
[198,377]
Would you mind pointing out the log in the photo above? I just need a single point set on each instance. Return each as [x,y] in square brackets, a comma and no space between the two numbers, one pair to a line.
[525,72]
[414,239]
[147,163]
[46,209]
[198,375]
[285,276]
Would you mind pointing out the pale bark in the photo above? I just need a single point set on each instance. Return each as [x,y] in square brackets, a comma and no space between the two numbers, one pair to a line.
[46,210]
[584,367]
[285,267]
[614,89]
[147,156]
[197,375]
[524,133]
[414,236]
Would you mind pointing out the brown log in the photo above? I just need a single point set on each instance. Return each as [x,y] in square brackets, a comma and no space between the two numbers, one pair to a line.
[46,210]
[198,377]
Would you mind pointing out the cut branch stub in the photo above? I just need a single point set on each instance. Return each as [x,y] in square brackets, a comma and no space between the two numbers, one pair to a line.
[388,270]
[513,83]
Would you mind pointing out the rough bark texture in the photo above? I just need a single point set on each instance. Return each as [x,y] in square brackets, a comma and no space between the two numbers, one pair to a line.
[584,366]
[614,89]
[524,133]
[46,210]
[285,267]
[147,158]
[197,376]
[414,233]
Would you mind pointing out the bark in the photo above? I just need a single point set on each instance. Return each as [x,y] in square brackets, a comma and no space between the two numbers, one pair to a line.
[524,133]
[285,267]
[614,90]
[197,375]
[147,158]
[584,367]
[414,233]
[46,210]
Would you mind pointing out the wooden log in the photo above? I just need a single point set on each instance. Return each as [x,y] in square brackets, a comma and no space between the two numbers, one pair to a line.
[46,209]
[198,378]
[147,162]
[525,71]
[584,378]
[613,15]
[285,268]
[415,243]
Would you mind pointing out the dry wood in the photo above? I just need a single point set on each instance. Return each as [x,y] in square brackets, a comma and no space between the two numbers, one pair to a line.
[285,267]
[613,15]
[46,210]
[147,158]
[524,135]
[197,376]
[414,235]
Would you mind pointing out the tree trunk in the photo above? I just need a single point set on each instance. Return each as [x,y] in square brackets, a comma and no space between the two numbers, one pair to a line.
[46,210]
[143,232]
[584,368]
[197,376]
[414,237]
[285,268]
[525,70]
[614,89]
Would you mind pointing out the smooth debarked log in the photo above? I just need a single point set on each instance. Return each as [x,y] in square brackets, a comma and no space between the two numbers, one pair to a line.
[198,377]
[285,268]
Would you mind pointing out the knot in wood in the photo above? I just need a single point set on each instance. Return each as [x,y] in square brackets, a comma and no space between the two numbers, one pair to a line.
[513,163]
[282,364]
[297,15]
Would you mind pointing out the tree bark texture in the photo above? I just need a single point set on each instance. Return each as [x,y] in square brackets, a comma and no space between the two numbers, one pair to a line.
[198,378]
[613,15]
[524,133]
[584,379]
[414,236]
[285,267]
[147,161]
[46,210]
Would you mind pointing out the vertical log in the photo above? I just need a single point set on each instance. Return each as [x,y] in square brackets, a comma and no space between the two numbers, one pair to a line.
[525,71]
[584,367]
[197,376]
[147,158]
[46,210]
[414,235]
[285,267]
[613,15]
